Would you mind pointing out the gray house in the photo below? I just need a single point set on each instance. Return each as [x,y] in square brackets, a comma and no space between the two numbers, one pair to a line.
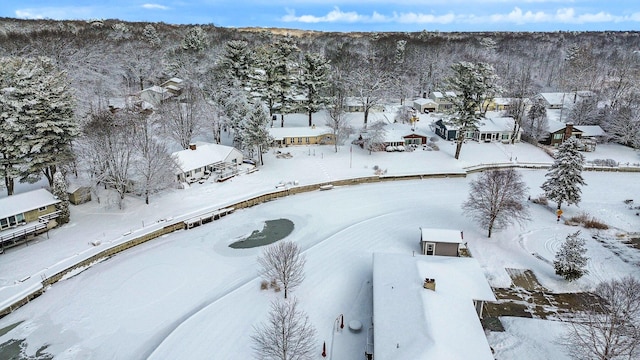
[443,242]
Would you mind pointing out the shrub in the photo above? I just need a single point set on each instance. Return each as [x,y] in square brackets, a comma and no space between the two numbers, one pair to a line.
[594,223]
[540,200]
[264,285]
[605,162]
[587,221]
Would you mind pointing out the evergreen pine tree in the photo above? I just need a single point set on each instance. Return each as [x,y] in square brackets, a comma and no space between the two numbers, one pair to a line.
[313,81]
[564,178]
[473,84]
[255,134]
[60,191]
[570,261]
[37,106]
[235,63]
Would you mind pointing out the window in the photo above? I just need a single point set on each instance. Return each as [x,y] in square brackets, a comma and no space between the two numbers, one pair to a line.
[41,209]
[299,140]
[4,223]
[307,140]
[505,136]
[557,136]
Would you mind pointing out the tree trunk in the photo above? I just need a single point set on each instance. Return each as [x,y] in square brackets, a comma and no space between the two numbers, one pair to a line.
[281,120]
[146,197]
[459,142]
[9,183]
[310,118]
[366,116]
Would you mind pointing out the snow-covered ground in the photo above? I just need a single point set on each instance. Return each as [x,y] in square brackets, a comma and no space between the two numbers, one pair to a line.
[188,295]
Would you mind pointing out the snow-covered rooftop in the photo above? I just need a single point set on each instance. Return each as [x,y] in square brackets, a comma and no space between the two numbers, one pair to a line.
[204,154]
[411,322]
[441,235]
[496,124]
[591,130]
[20,203]
[423,101]
[279,133]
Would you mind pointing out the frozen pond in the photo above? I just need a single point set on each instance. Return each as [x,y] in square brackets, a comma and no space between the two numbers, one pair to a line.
[273,231]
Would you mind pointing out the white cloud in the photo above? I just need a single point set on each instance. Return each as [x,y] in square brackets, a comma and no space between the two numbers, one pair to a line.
[155,6]
[56,13]
[516,16]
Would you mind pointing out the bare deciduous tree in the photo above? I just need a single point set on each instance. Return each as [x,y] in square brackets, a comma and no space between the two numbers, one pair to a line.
[610,327]
[182,118]
[288,334]
[496,199]
[283,263]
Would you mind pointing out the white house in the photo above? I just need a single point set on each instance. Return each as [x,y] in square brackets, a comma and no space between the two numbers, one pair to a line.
[202,160]
[427,307]
[497,129]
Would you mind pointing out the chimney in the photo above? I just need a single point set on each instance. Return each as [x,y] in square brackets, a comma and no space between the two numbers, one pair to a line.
[568,130]
[192,146]
[429,284]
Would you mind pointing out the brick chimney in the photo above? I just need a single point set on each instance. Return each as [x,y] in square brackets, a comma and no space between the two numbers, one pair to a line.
[192,146]
[568,130]
[430,284]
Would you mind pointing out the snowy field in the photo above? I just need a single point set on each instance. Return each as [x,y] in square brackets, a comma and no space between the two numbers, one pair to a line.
[188,295]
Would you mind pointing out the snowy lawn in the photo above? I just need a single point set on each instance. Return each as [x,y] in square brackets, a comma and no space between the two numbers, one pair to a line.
[188,295]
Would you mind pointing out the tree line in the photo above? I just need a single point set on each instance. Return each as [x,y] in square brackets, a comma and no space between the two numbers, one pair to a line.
[240,81]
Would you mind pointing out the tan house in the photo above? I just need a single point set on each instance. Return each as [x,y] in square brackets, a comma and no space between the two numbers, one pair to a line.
[443,242]
[25,215]
[313,135]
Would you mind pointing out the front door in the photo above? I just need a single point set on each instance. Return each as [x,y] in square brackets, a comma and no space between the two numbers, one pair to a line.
[430,249]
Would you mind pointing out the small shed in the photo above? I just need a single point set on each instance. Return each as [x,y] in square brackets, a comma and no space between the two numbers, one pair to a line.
[79,194]
[443,242]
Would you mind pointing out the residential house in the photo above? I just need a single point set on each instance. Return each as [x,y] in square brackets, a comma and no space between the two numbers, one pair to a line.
[442,99]
[423,105]
[428,307]
[448,131]
[559,132]
[155,95]
[498,104]
[202,160]
[173,85]
[354,104]
[26,214]
[559,100]
[401,135]
[497,129]
[442,242]
[313,135]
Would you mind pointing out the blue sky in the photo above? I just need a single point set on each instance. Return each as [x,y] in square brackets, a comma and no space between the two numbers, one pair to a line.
[350,15]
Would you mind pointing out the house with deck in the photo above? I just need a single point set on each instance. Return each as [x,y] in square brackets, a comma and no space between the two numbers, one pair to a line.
[307,135]
[589,135]
[25,215]
[428,307]
[203,160]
